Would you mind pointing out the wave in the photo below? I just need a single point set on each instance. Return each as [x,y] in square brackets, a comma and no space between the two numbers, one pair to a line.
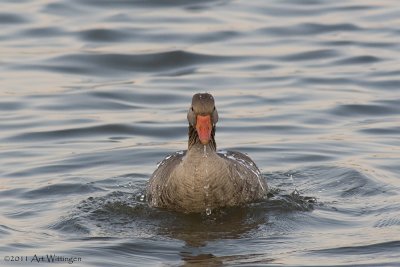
[114,64]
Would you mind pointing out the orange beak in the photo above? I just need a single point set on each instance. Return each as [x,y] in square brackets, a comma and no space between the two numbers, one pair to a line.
[203,127]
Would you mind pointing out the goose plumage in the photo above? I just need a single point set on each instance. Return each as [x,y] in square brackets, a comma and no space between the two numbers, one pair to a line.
[201,178]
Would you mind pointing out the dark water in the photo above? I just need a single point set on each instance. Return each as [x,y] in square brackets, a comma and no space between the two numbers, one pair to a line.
[94,93]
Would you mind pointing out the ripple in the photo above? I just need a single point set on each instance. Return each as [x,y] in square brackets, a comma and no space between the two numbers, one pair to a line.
[5,230]
[269,129]
[364,109]
[15,192]
[303,157]
[104,35]
[216,36]
[87,101]
[385,84]
[70,225]
[342,182]
[305,2]
[311,8]
[144,3]
[119,211]
[98,159]
[98,130]
[9,18]
[290,202]
[311,55]
[113,64]
[383,45]
[384,131]
[387,222]
[63,8]
[43,32]
[154,98]
[309,29]
[11,105]
[363,249]
[60,189]
[358,60]
[327,80]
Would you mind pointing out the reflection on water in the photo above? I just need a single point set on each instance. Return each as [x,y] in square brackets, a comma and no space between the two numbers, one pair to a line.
[94,94]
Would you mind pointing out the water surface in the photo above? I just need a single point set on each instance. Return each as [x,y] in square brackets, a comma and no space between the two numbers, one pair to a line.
[95,93]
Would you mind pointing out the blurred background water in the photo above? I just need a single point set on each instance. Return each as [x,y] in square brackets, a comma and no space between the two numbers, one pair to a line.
[94,93]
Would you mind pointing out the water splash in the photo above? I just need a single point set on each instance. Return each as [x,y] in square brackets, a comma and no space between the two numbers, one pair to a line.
[208,211]
[259,181]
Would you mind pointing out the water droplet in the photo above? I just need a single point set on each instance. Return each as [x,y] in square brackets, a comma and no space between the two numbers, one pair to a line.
[208,211]
[142,198]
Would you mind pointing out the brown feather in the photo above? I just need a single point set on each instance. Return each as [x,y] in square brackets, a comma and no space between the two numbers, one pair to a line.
[200,178]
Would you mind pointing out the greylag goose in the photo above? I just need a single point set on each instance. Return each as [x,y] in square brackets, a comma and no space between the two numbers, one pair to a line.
[200,179]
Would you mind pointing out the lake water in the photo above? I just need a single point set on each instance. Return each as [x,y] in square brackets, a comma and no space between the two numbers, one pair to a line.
[94,93]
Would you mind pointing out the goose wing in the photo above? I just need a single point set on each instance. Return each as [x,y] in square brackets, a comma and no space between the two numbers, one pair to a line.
[246,173]
[161,175]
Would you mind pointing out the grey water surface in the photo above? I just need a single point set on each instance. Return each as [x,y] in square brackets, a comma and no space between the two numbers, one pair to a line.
[93,93]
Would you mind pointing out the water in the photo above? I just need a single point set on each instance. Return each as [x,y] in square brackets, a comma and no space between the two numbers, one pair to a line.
[95,93]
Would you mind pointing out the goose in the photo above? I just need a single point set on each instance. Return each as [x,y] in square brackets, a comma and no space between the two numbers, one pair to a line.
[201,178]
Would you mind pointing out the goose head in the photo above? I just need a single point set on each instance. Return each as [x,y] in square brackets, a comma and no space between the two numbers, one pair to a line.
[203,116]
